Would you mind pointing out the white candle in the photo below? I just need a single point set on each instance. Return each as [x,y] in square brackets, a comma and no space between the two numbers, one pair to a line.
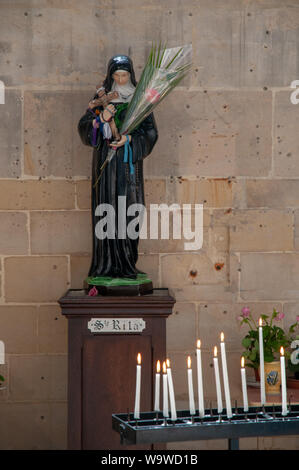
[244,385]
[2,354]
[157,387]
[262,367]
[217,380]
[190,387]
[201,406]
[171,392]
[225,378]
[165,391]
[138,384]
[283,383]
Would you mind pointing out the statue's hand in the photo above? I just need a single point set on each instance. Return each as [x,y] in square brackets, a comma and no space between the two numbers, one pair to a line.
[121,142]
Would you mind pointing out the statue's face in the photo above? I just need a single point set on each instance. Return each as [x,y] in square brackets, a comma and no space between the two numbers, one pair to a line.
[121,77]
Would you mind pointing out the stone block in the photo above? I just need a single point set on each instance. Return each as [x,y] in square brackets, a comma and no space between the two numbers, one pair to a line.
[49,151]
[231,136]
[13,233]
[272,193]
[257,230]
[52,330]
[60,232]
[209,192]
[10,134]
[18,326]
[33,194]
[79,270]
[193,269]
[35,278]
[285,141]
[269,276]
[83,192]
[181,327]
[32,426]
[38,378]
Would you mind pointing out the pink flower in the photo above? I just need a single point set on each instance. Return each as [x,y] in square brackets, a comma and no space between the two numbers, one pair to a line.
[240,318]
[152,95]
[93,291]
[280,316]
[246,312]
[297,318]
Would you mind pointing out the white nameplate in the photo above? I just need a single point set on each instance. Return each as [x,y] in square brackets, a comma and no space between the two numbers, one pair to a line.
[116,325]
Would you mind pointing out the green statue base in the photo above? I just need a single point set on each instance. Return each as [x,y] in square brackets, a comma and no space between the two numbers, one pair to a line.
[119,285]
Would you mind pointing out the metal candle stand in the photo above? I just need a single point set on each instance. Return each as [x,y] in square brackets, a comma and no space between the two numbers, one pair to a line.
[258,421]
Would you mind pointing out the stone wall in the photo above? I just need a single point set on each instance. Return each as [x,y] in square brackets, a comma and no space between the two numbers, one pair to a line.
[228,139]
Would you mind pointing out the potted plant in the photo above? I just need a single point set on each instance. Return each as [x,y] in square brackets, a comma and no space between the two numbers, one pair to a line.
[273,338]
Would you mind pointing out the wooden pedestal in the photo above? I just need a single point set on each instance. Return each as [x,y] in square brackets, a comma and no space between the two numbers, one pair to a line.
[102,365]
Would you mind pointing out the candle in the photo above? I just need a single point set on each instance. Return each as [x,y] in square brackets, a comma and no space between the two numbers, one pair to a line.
[171,392]
[190,387]
[244,385]
[201,406]
[283,383]
[2,353]
[225,378]
[137,392]
[157,387]
[262,367]
[217,379]
[165,391]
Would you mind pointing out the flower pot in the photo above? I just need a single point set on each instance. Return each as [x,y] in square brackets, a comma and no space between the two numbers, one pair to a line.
[272,377]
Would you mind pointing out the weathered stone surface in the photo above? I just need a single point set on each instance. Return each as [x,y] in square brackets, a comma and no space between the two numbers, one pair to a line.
[246,43]
[33,426]
[13,233]
[269,276]
[296,229]
[33,194]
[209,192]
[18,325]
[79,270]
[194,269]
[46,114]
[154,191]
[230,136]
[60,232]
[11,134]
[52,330]
[276,193]
[35,278]
[150,265]
[257,230]
[181,327]
[285,134]
[203,291]
[83,193]
[38,378]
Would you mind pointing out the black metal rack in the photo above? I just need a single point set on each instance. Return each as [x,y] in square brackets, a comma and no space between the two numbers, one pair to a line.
[258,421]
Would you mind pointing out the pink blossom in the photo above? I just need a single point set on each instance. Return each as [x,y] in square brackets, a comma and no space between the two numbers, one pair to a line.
[240,318]
[246,312]
[152,95]
[93,291]
[280,316]
[297,318]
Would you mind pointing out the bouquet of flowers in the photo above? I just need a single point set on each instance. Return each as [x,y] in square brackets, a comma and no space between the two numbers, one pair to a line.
[164,70]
